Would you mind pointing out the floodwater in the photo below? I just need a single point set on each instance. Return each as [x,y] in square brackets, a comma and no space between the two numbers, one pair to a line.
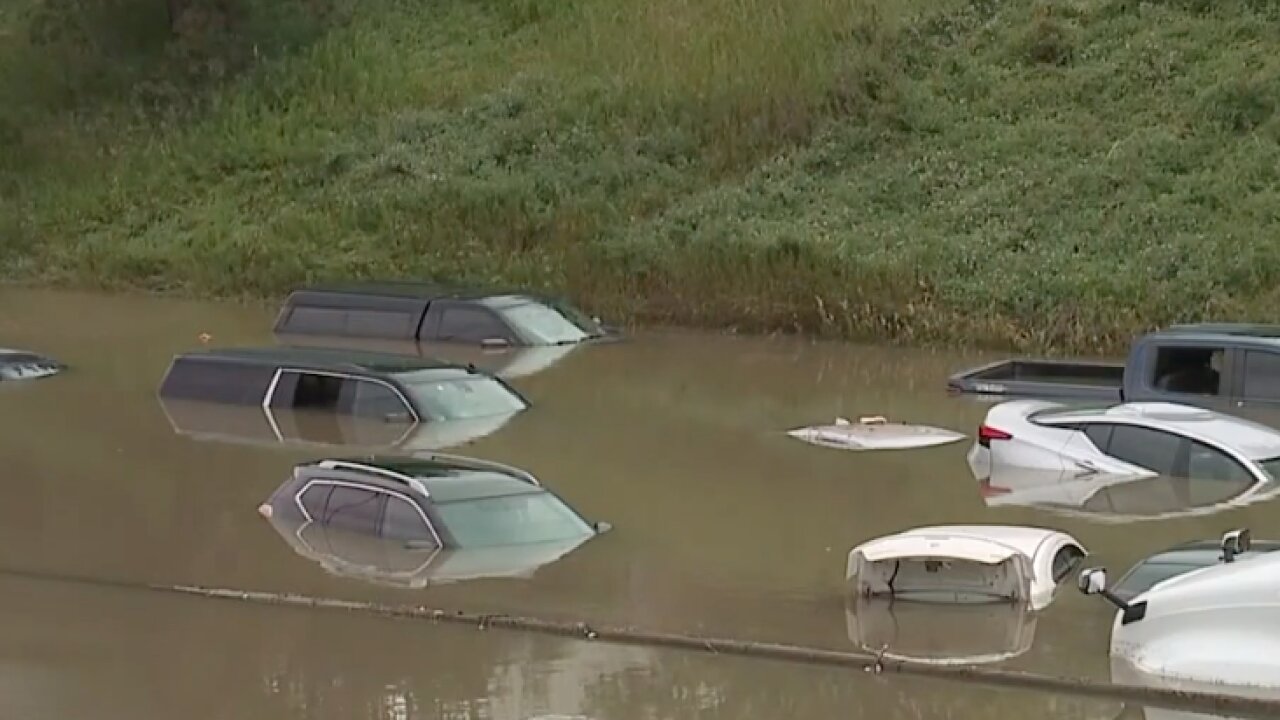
[723,526]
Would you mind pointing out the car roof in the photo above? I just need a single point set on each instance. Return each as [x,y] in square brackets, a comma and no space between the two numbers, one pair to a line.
[1254,440]
[446,477]
[412,290]
[1227,333]
[336,358]
[980,543]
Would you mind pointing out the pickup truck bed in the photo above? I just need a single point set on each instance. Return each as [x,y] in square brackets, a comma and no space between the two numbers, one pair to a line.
[1042,379]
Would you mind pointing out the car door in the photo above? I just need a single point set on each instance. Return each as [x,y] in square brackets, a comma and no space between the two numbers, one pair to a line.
[465,322]
[1257,389]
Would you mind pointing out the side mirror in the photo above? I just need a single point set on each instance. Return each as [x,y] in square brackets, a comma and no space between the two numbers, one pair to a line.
[601,527]
[1235,543]
[1092,580]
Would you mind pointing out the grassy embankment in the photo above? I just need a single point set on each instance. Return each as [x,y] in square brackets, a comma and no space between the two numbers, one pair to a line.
[1000,171]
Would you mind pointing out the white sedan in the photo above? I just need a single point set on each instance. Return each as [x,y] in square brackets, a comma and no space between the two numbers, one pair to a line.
[965,564]
[1034,452]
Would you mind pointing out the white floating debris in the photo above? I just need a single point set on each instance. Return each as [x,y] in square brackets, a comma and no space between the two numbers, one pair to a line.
[874,433]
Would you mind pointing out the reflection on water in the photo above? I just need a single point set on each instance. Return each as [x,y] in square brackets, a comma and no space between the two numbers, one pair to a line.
[1124,673]
[1105,497]
[325,432]
[392,563]
[942,634]
[722,525]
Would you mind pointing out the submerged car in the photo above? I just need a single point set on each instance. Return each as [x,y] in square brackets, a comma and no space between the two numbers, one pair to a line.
[1135,439]
[873,433]
[425,312]
[965,564]
[1180,559]
[472,514]
[390,388]
[1213,625]
[23,365]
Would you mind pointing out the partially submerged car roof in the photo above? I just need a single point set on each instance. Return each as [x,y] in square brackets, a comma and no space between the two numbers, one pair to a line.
[405,290]
[1255,440]
[444,477]
[987,544]
[321,358]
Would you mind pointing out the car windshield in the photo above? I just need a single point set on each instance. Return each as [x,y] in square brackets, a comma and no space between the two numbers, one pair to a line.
[547,325]
[520,519]
[1145,576]
[461,398]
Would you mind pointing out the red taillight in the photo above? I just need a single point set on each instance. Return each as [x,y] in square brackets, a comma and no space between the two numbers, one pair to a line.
[986,434]
[989,490]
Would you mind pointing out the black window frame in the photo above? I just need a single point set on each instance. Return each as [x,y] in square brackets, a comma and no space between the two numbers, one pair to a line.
[433,324]
[286,378]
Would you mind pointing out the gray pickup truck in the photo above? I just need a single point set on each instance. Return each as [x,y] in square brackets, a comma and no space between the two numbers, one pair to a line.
[1216,366]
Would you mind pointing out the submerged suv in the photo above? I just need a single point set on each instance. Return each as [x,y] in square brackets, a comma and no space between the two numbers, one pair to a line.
[445,501]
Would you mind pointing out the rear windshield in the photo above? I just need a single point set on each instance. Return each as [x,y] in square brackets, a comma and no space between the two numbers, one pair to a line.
[546,325]
[521,519]
[461,398]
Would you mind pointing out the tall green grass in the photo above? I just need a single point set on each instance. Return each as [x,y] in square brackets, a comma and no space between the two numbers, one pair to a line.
[1016,173]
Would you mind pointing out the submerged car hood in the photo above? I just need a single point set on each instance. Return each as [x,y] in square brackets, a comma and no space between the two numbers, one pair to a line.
[23,365]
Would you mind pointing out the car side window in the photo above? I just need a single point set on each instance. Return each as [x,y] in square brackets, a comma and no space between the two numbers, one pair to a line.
[1065,561]
[471,324]
[368,399]
[1207,463]
[1154,450]
[356,509]
[314,498]
[1261,375]
[1099,434]
[404,521]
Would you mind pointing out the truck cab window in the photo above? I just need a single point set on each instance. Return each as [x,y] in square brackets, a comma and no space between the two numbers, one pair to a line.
[1192,370]
[1261,375]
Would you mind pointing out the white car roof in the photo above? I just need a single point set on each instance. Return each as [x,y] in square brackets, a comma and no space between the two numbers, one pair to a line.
[1254,440]
[988,544]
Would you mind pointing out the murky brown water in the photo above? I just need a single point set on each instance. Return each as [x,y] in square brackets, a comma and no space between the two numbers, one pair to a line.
[722,525]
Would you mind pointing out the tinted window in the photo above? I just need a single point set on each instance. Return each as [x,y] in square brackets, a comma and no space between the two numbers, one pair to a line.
[1152,449]
[354,509]
[1065,561]
[365,398]
[1262,375]
[511,520]
[403,521]
[217,381]
[1206,463]
[471,324]
[321,321]
[1099,434]
[314,498]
